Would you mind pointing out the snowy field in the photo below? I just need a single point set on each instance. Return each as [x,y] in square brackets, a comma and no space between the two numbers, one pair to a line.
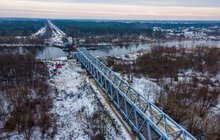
[150,90]
[74,96]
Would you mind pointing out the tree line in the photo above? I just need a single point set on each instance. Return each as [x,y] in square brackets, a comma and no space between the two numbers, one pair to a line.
[20,27]
[25,99]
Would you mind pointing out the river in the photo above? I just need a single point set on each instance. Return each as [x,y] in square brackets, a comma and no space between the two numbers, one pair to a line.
[42,52]
[52,52]
[117,50]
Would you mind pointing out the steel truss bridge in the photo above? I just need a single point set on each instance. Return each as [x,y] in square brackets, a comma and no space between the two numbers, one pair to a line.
[147,120]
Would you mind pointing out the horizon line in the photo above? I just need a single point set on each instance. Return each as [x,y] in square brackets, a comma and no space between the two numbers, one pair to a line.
[105,19]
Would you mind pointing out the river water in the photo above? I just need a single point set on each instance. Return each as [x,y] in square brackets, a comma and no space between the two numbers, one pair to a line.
[117,50]
[42,52]
[52,52]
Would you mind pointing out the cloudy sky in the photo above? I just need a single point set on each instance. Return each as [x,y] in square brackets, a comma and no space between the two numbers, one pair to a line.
[113,9]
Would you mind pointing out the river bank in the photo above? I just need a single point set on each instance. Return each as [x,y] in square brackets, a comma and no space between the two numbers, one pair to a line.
[21,45]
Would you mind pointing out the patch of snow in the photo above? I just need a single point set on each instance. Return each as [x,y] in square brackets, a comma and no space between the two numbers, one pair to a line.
[124,132]
[74,94]
[216,109]
[62,59]
[150,90]
[57,30]
[40,32]
[57,35]
[218,77]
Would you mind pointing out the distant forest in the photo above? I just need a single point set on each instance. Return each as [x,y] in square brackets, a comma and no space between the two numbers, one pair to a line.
[77,28]
[20,27]
[85,28]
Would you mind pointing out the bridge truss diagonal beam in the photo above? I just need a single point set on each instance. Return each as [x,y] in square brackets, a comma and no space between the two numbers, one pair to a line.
[147,120]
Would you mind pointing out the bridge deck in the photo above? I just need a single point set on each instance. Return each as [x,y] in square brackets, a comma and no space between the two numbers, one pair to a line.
[147,120]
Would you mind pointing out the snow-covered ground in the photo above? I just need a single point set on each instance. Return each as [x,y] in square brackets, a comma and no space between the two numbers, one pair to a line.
[150,90]
[40,32]
[75,95]
[218,77]
[56,29]
[216,109]
[57,34]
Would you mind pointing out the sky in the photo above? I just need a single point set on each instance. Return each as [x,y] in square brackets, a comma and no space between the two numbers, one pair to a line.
[113,9]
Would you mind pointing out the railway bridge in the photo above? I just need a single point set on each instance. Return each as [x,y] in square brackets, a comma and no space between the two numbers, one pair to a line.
[146,119]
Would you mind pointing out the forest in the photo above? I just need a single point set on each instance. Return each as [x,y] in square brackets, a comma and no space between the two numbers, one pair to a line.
[25,98]
[20,27]
[79,28]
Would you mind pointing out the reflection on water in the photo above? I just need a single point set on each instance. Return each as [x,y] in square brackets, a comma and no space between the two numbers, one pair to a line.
[53,52]
[12,50]
[41,52]
[187,44]
[116,50]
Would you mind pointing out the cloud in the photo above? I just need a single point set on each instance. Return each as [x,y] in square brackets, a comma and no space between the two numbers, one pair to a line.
[184,3]
[95,10]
